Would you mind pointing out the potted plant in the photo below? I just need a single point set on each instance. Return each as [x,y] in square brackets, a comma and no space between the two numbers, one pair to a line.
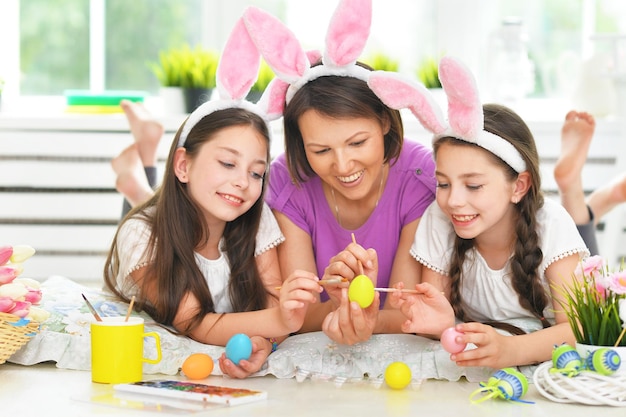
[428,73]
[381,62]
[198,68]
[168,72]
[595,305]
[193,70]
[266,75]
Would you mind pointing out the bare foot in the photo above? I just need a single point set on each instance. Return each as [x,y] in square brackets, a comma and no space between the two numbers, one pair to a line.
[131,179]
[604,199]
[146,131]
[576,135]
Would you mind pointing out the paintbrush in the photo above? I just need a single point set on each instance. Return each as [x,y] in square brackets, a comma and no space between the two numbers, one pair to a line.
[93,310]
[130,308]
[331,281]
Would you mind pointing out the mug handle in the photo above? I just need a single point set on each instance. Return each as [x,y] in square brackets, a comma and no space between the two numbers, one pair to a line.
[157,339]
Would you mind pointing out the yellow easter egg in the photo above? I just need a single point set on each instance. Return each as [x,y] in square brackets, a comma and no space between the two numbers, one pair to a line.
[361,290]
[197,366]
[398,375]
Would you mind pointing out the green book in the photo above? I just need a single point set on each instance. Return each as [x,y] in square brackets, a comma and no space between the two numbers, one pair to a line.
[102,98]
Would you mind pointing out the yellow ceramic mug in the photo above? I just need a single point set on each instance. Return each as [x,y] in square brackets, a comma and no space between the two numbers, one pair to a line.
[117,350]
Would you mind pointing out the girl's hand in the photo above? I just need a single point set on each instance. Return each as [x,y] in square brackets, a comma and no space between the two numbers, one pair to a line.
[350,323]
[345,265]
[428,312]
[493,349]
[261,349]
[299,290]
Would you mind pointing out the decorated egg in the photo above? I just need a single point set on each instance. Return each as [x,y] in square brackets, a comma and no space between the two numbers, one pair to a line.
[512,384]
[398,375]
[361,290]
[566,360]
[239,347]
[197,366]
[449,343]
[604,361]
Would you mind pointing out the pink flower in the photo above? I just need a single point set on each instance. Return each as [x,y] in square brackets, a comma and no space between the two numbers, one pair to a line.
[6,304]
[617,282]
[8,273]
[21,308]
[592,267]
[33,296]
[5,254]
[32,286]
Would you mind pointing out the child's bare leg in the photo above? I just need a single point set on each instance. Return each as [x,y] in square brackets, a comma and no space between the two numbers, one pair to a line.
[576,135]
[131,180]
[146,131]
[604,199]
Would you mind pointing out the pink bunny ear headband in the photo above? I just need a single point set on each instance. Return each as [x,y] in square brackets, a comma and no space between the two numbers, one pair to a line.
[465,111]
[237,71]
[345,39]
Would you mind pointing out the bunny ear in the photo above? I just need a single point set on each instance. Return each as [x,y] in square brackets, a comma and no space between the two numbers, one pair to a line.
[348,31]
[239,65]
[278,45]
[399,93]
[272,101]
[314,56]
[465,111]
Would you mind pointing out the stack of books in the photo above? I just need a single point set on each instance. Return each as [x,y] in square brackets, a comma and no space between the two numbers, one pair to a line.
[102,102]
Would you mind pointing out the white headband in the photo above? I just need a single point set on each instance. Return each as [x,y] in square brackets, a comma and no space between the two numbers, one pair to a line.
[353,71]
[465,112]
[237,71]
[498,146]
[346,36]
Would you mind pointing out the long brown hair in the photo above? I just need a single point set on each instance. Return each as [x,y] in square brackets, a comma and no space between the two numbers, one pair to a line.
[178,228]
[341,98]
[527,256]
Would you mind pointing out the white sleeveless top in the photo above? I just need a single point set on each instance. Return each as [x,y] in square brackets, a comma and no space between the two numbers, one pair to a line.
[133,237]
[487,294]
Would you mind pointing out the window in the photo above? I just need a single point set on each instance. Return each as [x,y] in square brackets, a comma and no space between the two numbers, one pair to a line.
[63,44]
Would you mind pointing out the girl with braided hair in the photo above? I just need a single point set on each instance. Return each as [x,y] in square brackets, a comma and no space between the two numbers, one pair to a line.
[491,244]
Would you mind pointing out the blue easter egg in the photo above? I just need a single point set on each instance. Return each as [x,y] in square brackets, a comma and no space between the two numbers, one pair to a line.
[604,361]
[239,347]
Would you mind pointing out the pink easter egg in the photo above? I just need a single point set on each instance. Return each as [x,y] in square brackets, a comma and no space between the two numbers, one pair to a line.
[449,343]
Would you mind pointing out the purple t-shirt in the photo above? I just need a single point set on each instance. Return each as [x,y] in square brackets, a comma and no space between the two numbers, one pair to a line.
[409,190]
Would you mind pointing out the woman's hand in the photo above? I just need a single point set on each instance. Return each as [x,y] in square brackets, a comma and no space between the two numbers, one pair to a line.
[345,266]
[350,323]
[428,312]
[261,349]
[299,290]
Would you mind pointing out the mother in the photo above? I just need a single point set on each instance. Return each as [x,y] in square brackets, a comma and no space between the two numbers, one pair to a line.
[346,169]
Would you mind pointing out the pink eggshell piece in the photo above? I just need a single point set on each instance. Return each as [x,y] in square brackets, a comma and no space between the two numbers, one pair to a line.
[449,343]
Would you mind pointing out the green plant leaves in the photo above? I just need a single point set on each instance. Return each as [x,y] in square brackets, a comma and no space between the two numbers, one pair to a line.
[186,67]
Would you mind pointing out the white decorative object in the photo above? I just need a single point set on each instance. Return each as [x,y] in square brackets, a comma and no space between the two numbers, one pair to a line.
[587,387]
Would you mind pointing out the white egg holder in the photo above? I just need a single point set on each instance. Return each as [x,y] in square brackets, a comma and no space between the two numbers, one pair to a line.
[588,387]
[339,381]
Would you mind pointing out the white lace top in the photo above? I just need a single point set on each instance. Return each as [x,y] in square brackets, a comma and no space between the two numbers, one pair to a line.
[133,238]
[488,294]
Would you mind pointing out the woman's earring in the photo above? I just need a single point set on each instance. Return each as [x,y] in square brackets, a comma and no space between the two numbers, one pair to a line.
[515,200]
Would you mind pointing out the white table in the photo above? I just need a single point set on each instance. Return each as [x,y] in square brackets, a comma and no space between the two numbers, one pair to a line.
[44,390]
